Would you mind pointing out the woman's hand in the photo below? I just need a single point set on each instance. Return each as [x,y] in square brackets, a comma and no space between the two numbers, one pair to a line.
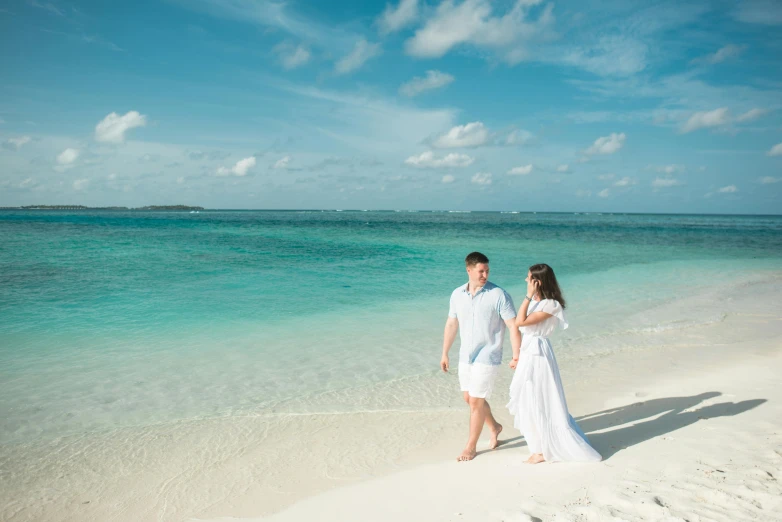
[513,363]
[532,287]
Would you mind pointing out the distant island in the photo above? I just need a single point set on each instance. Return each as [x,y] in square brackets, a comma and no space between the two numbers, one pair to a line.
[82,207]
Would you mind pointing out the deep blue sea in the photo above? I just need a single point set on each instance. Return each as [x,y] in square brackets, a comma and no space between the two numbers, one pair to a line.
[112,318]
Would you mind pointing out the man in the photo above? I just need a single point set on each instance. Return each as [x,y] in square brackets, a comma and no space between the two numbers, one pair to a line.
[480,311]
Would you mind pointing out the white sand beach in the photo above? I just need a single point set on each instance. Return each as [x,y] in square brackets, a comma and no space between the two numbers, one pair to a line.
[690,428]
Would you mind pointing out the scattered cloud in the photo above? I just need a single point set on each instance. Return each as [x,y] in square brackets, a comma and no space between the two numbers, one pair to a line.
[725,53]
[768,180]
[607,144]
[582,193]
[762,12]
[625,182]
[17,143]
[113,127]
[482,178]
[706,119]
[668,169]
[433,80]
[68,156]
[472,22]
[610,56]
[428,160]
[282,163]
[606,177]
[665,183]
[518,137]
[473,134]
[604,193]
[448,179]
[730,189]
[292,56]
[394,19]
[750,115]
[239,169]
[776,150]
[362,52]
[563,168]
[521,171]
[81,184]
[180,180]
[47,6]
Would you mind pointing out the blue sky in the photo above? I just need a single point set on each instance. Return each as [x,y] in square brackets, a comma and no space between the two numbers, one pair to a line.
[464,104]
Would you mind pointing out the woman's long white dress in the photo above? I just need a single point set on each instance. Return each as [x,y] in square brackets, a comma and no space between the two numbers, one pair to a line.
[537,400]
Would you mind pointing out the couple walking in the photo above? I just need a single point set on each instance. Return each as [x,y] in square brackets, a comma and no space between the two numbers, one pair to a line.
[480,312]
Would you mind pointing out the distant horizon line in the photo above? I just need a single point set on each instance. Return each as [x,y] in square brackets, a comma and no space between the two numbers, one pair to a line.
[151,208]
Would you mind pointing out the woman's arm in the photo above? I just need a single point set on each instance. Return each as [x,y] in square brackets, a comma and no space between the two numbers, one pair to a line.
[533,318]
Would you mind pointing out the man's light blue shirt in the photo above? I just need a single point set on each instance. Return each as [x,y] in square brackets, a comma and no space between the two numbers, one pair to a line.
[481,322]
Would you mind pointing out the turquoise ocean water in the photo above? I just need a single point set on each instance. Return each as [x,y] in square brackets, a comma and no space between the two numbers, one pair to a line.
[115,319]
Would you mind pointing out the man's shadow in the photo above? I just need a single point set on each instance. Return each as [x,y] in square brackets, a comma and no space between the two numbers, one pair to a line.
[674,413]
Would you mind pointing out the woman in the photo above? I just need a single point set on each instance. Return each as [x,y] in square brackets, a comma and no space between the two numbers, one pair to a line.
[537,400]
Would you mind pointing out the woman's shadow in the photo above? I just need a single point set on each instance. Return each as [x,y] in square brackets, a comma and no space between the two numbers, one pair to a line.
[670,414]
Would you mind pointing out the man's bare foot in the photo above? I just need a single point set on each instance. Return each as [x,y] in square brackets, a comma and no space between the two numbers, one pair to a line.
[466,455]
[536,458]
[495,433]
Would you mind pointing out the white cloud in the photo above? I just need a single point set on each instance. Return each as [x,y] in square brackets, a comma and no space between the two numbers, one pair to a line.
[395,19]
[292,56]
[482,178]
[776,150]
[730,189]
[581,193]
[670,169]
[604,193]
[665,182]
[427,159]
[763,12]
[361,53]
[606,177]
[282,163]
[471,22]
[725,53]
[18,143]
[448,179]
[607,144]
[180,180]
[624,182]
[768,180]
[68,156]
[521,171]
[563,168]
[471,135]
[239,169]
[80,184]
[751,114]
[518,137]
[610,56]
[433,80]
[706,119]
[113,127]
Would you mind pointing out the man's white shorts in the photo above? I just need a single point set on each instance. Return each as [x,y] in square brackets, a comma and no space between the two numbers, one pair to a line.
[477,379]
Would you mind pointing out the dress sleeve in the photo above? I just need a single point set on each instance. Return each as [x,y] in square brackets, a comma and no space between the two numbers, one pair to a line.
[552,307]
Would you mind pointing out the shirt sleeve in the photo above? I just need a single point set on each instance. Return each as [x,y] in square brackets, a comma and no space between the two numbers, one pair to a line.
[506,308]
[452,307]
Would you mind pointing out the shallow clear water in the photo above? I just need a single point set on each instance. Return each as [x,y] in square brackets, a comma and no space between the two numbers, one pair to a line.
[136,318]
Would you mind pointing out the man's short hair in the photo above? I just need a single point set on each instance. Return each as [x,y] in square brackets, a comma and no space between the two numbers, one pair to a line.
[474,258]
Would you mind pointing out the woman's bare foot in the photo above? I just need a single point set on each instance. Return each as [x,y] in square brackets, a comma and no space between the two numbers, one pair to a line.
[495,433]
[467,454]
[536,458]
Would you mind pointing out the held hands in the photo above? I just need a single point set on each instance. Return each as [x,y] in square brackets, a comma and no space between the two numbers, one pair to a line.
[513,363]
[444,363]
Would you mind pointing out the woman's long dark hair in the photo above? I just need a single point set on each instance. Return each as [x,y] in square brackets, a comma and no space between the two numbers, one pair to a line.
[548,288]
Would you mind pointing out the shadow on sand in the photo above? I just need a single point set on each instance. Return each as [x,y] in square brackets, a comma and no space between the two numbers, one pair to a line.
[670,414]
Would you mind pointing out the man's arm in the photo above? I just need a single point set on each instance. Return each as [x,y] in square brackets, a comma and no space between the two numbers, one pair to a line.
[515,340]
[449,335]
